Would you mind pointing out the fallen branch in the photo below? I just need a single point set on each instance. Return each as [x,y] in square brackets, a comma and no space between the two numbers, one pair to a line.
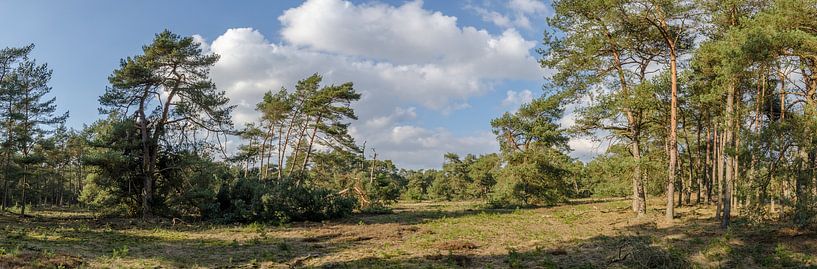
[299,262]
[179,221]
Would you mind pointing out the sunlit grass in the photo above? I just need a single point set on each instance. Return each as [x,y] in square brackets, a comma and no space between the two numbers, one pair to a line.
[416,235]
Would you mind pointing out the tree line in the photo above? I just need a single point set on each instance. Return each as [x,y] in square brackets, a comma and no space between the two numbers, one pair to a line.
[35,142]
[700,101]
[719,92]
[161,146]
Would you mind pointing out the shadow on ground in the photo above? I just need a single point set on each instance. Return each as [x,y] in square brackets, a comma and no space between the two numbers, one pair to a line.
[356,242]
[699,244]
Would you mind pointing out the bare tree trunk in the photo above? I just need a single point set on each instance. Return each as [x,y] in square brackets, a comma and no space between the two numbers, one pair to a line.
[736,166]
[720,161]
[291,126]
[311,141]
[690,164]
[8,154]
[262,172]
[269,152]
[261,157]
[63,177]
[673,144]
[374,164]
[773,208]
[282,144]
[701,163]
[6,178]
[23,194]
[247,167]
[782,93]
[758,201]
[680,185]
[784,193]
[713,154]
[639,199]
[730,163]
[296,149]
[147,182]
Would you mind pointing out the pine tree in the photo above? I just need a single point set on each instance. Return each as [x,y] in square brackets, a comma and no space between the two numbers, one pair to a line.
[32,112]
[10,61]
[167,85]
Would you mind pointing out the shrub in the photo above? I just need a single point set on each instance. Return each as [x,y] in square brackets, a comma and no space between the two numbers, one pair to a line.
[418,184]
[100,199]
[529,184]
[250,200]
[382,190]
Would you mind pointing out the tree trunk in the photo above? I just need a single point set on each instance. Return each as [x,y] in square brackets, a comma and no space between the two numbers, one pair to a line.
[758,201]
[713,150]
[147,181]
[736,158]
[290,127]
[8,154]
[5,193]
[690,162]
[269,151]
[673,143]
[720,160]
[281,150]
[261,174]
[701,161]
[311,141]
[730,162]
[680,185]
[782,94]
[25,151]
[296,150]
[79,162]
[639,197]
[23,192]
[247,167]
[374,164]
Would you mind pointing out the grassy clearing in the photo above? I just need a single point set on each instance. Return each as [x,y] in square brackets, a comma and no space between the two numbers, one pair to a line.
[586,234]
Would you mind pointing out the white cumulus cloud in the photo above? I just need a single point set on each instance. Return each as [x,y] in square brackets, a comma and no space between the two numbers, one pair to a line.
[517,98]
[401,58]
[519,13]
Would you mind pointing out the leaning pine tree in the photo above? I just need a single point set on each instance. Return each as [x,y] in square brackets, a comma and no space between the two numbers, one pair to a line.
[167,85]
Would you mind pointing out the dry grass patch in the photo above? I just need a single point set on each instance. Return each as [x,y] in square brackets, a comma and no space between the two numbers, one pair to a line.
[585,234]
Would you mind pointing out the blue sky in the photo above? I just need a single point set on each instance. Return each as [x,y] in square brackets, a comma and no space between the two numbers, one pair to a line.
[427,89]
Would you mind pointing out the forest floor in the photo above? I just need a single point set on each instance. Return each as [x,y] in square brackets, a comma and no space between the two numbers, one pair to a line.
[585,234]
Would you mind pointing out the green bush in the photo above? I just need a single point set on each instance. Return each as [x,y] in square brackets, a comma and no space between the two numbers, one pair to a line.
[419,182]
[250,200]
[382,190]
[538,180]
[100,199]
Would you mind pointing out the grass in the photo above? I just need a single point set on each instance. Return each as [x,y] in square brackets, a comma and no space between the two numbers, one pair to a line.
[585,234]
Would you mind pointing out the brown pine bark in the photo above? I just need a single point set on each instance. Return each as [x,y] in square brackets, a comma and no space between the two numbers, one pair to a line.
[730,162]
[700,164]
[670,38]
[720,169]
[673,144]
[690,164]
